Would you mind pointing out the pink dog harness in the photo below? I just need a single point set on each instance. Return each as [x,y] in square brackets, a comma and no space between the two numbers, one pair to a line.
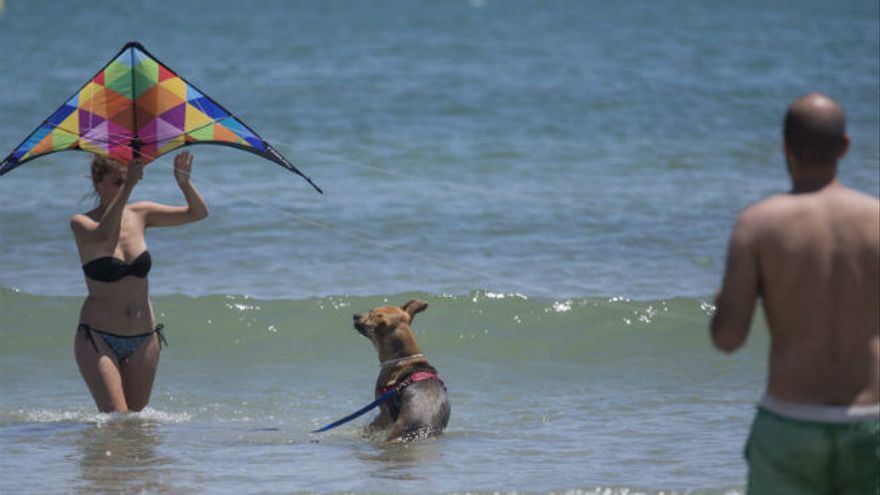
[418,376]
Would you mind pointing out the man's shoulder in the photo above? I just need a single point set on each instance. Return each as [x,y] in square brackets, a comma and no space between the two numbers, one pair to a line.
[780,206]
[773,218]
[767,210]
[859,198]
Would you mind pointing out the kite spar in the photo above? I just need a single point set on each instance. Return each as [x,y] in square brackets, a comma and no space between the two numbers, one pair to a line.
[136,107]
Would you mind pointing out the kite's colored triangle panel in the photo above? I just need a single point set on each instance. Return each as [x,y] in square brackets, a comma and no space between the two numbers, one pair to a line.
[164,73]
[88,121]
[172,144]
[91,99]
[248,138]
[192,93]
[45,145]
[62,140]
[61,115]
[85,94]
[146,76]
[93,147]
[137,56]
[256,143]
[148,132]
[237,127]
[121,154]
[196,119]
[209,108]
[121,60]
[204,133]
[147,106]
[176,116]
[118,77]
[176,86]
[70,125]
[165,131]
[35,139]
[155,102]
[97,134]
[223,134]
[167,98]
[122,117]
[106,103]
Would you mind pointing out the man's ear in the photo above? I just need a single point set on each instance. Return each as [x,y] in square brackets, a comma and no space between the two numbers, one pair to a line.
[413,307]
[844,147]
[790,158]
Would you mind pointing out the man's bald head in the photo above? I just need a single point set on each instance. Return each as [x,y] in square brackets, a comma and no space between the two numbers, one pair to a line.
[815,130]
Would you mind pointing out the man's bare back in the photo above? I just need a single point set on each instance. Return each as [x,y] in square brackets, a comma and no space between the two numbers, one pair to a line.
[813,257]
[818,260]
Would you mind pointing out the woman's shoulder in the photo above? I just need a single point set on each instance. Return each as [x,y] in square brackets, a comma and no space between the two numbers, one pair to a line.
[83,219]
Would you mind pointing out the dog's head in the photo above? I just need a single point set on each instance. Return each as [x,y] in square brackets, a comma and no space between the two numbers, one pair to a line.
[388,328]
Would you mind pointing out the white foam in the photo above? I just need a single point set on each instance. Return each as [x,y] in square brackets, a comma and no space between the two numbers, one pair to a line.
[562,306]
[98,418]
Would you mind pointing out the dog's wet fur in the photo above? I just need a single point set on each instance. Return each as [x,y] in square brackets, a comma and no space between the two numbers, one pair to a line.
[420,410]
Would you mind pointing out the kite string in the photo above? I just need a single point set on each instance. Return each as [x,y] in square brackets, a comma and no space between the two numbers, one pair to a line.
[560,200]
[466,270]
[481,191]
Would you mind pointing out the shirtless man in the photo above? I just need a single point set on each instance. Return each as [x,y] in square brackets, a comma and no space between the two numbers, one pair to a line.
[813,257]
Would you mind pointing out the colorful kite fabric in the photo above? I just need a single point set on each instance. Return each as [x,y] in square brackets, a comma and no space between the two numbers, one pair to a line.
[136,107]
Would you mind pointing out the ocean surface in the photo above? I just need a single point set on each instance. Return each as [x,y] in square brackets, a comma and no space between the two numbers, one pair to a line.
[557,179]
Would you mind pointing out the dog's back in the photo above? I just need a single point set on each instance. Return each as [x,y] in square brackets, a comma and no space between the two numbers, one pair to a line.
[423,411]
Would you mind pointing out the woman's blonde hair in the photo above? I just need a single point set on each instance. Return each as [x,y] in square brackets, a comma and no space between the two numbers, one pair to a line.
[101,166]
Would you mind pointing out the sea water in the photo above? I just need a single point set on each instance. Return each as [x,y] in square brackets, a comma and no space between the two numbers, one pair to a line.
[556,179]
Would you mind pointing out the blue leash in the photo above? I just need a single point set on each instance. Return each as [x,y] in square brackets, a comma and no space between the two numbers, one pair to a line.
[359,412]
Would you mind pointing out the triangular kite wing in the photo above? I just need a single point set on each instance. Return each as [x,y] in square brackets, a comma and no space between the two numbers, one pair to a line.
[137,107]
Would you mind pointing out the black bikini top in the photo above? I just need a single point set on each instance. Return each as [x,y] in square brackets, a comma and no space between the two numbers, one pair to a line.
[111,269]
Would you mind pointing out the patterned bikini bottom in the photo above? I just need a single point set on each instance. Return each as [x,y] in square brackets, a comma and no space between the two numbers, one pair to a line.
[122,346]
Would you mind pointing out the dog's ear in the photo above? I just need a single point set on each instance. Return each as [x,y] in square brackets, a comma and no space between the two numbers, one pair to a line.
[413,307]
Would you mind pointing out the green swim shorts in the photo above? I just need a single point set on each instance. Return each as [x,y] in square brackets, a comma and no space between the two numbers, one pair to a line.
[789,456]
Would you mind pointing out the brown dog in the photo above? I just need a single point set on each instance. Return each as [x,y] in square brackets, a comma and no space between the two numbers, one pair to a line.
[420,408]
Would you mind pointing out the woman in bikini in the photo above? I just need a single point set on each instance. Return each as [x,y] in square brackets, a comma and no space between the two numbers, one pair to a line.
[117,342]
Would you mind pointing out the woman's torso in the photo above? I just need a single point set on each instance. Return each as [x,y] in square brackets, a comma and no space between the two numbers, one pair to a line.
[123,306]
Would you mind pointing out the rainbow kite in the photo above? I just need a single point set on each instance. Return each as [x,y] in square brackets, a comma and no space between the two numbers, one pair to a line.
[136,107]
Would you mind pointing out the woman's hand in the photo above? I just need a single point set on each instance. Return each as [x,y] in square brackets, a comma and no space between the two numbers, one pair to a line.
[158,215]
[134,173]
[183,166]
